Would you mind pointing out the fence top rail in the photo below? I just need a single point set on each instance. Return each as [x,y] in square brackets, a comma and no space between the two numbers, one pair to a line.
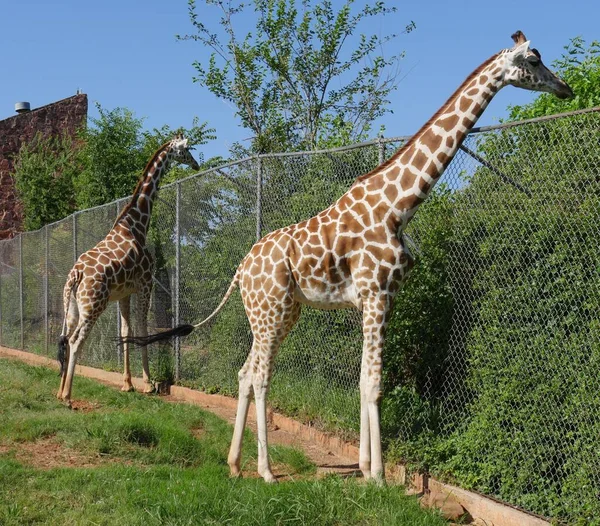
[535,120]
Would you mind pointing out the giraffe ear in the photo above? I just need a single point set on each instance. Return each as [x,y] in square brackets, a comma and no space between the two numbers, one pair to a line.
[519,52]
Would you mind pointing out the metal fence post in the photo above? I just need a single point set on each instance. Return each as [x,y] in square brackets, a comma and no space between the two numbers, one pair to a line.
[21,310]
[1,339]
[381,150]
[259,183]
[118,309]
[75,237]
[46,288]
[175,292]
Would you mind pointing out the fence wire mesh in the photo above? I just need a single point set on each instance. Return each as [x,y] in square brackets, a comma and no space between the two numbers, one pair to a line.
[492,357]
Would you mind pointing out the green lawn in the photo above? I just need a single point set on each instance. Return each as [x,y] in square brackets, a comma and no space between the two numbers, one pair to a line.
[139,460]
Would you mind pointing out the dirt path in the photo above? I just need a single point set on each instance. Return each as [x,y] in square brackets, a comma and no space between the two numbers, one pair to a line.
[328,453]
[326,460]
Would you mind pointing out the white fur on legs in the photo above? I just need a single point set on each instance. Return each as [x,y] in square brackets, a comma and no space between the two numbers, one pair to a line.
[371,458]
[261,389]
[124,309]
[141,329]
[373,395]
[244,397]
[364,459]
[75,347]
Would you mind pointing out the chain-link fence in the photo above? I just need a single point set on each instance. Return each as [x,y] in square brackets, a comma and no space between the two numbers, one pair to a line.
[492,357]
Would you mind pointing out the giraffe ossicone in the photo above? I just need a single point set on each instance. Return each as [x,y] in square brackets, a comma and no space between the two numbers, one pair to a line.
[117,267]
[352,253]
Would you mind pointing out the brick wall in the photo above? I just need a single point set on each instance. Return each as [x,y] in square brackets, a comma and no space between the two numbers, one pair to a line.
[66,115]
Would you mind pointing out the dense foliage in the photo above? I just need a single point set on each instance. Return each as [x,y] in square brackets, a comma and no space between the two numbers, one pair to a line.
[520,385]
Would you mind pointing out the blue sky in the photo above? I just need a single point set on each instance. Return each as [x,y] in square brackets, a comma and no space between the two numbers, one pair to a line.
[125,54]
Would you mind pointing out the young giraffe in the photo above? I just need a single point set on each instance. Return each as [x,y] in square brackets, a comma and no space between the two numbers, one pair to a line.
[352,254]
[115,268]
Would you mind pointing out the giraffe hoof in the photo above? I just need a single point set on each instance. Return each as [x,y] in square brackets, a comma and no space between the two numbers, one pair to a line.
[269,478]
[377,480]
[148,388]
[235,472]
[127,388]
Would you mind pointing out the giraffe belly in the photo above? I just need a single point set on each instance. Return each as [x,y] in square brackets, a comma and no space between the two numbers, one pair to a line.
[330,299]
[117,294]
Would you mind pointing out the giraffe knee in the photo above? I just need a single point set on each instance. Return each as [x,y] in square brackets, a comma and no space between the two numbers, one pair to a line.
[244,382]
[372,391]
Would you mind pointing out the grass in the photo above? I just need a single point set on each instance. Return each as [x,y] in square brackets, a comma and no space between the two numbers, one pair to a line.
[152,462]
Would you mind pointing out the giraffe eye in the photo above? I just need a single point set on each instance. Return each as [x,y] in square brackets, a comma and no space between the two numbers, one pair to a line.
[533,60]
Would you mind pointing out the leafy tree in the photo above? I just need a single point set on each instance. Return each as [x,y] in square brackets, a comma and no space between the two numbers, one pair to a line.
[57,176]
[293,82]
[44,173]
[116,150]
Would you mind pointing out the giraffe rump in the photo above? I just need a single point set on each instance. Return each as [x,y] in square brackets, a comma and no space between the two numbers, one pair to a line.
[142,341]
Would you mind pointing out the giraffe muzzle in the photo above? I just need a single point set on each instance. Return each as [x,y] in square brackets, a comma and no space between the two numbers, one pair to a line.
[563,90]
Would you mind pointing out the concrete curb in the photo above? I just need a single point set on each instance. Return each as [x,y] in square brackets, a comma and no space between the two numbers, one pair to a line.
[483,510]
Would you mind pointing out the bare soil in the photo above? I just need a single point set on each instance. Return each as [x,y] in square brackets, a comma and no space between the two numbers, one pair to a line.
[48,453]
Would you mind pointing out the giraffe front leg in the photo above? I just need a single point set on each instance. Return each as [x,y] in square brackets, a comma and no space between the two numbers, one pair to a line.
[141,329]
[364,459]
[375,314]
[125,310]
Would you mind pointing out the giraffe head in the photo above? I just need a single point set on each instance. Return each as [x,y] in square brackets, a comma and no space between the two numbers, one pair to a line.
[180,152]
[524,68]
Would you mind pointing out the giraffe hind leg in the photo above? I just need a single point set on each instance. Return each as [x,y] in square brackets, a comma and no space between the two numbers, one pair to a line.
[75,347]
[85,323]
[70,324]
[255,376]
[124,308]
[244,397]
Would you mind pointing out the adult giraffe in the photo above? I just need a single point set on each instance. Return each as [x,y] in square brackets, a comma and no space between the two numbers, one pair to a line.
[117,267]
[352,254]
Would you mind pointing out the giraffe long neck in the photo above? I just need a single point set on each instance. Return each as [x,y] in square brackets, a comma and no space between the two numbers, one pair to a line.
[406,179]
[135,216]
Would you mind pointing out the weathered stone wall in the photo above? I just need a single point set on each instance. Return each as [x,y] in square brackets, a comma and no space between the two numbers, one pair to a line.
[64,116]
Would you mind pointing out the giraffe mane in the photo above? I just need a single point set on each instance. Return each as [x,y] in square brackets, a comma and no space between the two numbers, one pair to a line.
[136,191]
[425,126]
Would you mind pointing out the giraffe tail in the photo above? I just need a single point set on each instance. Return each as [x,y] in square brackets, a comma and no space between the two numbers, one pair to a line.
[182,330]
[63,341]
